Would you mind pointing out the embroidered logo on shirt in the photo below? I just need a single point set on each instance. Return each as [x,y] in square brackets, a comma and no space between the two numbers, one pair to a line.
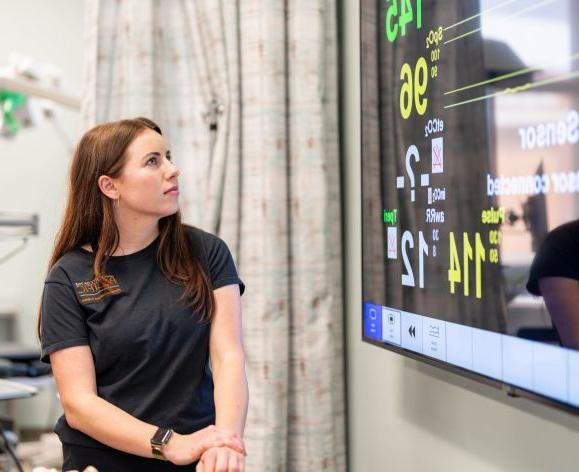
[92,291]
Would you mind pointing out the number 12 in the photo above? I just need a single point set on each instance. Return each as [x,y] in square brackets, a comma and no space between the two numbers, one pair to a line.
[408,241]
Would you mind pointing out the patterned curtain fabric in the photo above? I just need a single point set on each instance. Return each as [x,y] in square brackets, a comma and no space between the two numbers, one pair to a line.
[246,93]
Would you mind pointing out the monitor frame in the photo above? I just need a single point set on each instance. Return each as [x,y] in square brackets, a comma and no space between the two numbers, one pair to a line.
[510,390]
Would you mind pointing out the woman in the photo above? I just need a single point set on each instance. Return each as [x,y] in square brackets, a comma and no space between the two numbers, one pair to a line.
[133,306]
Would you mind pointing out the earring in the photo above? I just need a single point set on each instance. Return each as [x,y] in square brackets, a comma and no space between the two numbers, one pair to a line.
[117,202]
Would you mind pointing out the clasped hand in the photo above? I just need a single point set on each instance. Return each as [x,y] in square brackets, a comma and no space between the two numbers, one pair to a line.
[221,459]
[216,449]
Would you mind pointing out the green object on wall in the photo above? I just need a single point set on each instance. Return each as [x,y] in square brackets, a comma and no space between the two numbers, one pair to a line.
[9,103]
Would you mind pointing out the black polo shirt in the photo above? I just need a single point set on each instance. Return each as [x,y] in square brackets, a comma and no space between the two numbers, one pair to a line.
[557,256]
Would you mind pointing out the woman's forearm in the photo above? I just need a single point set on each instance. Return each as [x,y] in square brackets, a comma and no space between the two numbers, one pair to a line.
[114,427]
[230,393]
[110,425]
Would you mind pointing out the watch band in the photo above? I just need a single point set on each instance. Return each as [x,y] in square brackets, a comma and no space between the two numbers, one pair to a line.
[160,439]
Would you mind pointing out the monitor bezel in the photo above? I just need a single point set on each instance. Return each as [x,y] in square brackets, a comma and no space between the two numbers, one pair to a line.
[510,390]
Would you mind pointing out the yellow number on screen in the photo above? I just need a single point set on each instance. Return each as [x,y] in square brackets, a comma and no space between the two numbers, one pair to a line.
[454,273]
[420,84]
[406,91]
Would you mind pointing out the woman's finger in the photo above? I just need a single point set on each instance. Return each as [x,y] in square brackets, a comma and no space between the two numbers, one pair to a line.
[209,460]
[233,442]
[222,460]
[240,463]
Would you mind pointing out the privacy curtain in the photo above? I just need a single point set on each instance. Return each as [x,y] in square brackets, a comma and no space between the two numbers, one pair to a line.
[246,94]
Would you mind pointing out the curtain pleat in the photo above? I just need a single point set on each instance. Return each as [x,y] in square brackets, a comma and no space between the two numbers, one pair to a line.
[247,95]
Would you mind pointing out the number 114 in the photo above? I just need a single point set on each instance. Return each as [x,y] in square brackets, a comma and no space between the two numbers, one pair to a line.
[455,274]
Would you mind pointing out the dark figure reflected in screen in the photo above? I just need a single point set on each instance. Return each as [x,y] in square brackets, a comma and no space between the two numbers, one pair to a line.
[555,275]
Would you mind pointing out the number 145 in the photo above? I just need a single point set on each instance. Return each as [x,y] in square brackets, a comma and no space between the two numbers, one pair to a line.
[399,14]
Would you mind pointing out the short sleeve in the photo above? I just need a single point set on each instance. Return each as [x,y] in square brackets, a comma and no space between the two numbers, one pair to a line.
[220,263]
[63,323]
[556,257]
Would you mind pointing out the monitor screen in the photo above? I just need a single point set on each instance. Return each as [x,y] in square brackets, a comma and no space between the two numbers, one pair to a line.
[470,188]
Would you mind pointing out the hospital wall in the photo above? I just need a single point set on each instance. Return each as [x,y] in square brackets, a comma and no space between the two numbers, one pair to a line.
[33,169]
[409,416]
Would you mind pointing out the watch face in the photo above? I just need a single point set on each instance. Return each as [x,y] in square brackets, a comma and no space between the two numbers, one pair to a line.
[161,436]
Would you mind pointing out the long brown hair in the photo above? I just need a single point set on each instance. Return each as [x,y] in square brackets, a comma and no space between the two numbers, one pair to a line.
[89,216]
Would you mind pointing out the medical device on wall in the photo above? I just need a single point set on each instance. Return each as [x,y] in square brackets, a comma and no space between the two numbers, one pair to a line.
[16,226]
[28,92]
[470,158]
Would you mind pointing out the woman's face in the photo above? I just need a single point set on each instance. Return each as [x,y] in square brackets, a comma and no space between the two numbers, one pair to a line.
[147,178]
